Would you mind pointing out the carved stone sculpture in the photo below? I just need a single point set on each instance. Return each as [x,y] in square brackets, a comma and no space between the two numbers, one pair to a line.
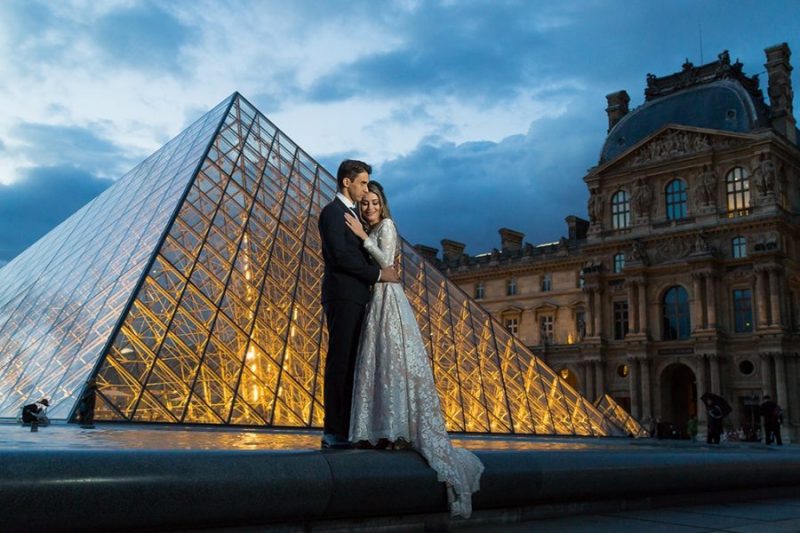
[596,206]
[642,198]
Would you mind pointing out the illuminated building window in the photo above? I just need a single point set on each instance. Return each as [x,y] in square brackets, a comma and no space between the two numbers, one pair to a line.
[581,279]
[675,317]
[739,247]
[620,210]
[512,325]
[546,329]
[511,287]
[622,371]
[546,282]
[737,185]
[676,199]
[620,320]
[619,263]
[479,290]
[742,310]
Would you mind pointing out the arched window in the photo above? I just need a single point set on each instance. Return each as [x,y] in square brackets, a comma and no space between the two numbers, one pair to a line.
[676,199]
[739,247]
[737,185]
[676,323]
[620,210]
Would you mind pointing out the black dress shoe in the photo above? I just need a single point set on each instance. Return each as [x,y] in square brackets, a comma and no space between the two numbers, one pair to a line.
[335,442]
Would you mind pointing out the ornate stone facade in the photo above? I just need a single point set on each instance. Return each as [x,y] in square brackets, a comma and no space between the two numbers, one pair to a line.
[685,279]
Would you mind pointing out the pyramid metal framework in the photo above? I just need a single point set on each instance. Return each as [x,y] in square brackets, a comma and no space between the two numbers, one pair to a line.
[190,289]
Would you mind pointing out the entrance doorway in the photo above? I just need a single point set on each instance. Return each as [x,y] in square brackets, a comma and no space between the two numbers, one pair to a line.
[678,399]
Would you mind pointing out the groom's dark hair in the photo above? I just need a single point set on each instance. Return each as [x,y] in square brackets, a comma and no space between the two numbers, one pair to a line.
[350,168]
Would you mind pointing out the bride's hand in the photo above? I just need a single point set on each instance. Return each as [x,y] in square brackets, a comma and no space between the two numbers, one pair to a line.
[355,226]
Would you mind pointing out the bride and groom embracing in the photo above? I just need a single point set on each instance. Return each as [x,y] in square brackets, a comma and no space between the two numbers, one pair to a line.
[379,388]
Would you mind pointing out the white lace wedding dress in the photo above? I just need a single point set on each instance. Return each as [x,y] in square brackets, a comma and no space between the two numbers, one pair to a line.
[394,395]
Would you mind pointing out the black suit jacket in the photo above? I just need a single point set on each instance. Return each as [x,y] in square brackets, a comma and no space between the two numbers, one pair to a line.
[349,270]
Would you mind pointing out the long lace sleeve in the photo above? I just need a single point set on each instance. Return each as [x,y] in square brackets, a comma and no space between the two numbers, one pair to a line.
[382,243]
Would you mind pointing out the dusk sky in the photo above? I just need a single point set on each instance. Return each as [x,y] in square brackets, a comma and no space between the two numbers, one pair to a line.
[475,115]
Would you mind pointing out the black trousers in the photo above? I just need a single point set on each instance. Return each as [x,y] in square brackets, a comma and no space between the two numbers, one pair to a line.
[344,320]
[773,432]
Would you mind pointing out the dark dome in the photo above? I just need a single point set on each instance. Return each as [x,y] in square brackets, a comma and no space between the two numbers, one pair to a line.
[721,105]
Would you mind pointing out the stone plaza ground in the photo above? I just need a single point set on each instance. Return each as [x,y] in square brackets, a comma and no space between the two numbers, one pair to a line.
[134,477]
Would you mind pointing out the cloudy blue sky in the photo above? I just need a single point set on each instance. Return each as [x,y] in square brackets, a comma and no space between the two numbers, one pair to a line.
[476,114]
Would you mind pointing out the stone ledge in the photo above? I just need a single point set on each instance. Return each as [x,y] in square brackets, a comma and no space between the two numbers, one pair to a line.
[179,489]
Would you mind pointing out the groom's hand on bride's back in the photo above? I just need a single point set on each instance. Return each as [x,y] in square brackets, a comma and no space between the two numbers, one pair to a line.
[390,275]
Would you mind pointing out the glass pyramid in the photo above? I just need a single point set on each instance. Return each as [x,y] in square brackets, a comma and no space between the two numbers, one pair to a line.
[190,289]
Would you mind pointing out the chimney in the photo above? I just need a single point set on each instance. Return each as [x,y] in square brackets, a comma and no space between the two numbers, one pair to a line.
[510,240]
[578,227]
[427,252]
[452,250]
[780,93]
[617,107]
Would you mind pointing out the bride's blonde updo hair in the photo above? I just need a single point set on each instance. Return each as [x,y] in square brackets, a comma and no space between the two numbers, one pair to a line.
[377,188]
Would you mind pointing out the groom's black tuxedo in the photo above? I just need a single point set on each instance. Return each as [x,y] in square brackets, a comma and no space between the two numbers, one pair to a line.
[349,274]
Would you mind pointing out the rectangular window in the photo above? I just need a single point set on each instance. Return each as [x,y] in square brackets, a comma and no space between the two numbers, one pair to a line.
[511,287]
[742,310]
[620,320]
[546,282]
[512,325]
[619,263]
[546,329]
[739,247]
[479,290]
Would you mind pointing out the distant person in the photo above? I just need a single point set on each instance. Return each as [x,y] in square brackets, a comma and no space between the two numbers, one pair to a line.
[86,404]
[36,412]
[772,414]
[691,428]
[715,416]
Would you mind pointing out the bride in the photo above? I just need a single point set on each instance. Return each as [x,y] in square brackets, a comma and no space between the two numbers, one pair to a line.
[395,402]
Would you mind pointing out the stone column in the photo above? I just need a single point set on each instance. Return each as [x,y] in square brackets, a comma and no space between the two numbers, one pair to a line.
[589,312]
[774,296]
[585,379]
[766,373]
[761,298]
[697,301]
[599,381]
[647,410]
[632,315]
[713,363]
[780,383]
[711,301]
[642,308]
[598,313]
[701,388]
[633,382]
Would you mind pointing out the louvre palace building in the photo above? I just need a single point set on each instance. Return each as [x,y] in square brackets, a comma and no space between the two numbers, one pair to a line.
[684,279]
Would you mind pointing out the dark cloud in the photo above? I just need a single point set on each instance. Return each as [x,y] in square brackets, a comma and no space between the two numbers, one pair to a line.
[466,192]
[447,48]
[143,36]
[491,51]
[34,205]
[74,146]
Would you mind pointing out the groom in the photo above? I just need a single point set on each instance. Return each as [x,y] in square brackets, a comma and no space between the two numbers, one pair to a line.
[349,276]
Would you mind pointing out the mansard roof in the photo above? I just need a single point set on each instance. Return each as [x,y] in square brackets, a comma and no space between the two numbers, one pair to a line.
[716,96]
